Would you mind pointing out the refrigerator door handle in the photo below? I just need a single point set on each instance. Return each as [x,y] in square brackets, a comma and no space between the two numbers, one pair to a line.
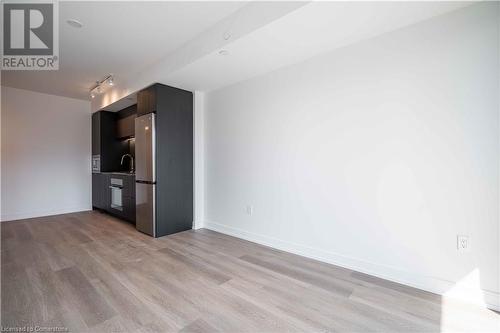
[145,182]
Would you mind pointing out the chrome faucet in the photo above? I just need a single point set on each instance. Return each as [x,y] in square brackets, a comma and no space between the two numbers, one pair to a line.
[131,162]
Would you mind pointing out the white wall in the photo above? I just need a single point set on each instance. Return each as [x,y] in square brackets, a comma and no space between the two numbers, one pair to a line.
[374,156]
[199,159]
[45,159]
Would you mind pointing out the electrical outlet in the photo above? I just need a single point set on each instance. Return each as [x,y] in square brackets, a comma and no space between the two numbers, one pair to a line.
[249,210]
[463,243]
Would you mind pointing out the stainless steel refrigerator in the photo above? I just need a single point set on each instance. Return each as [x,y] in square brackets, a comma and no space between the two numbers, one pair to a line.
[145,174]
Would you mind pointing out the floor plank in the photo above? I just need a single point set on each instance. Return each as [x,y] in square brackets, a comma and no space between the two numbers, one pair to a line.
[91,305]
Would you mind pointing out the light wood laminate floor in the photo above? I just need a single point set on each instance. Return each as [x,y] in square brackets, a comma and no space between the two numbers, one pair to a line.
[94,273]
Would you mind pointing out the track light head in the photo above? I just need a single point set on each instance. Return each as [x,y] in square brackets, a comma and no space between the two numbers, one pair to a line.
[101,85]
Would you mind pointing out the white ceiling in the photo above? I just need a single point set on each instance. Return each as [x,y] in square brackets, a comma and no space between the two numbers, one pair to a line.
[310,30]
[119,38]
[178,43]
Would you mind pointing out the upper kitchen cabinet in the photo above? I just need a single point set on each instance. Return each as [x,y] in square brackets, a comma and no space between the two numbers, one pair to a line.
[105,142]
[146,100]
[96,134]
[125,124]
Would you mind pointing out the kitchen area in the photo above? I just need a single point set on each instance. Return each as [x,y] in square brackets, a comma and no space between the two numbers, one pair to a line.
[142,160]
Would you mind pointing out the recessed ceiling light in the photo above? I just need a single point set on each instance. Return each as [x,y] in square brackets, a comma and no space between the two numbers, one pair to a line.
[223,52]
[74,23]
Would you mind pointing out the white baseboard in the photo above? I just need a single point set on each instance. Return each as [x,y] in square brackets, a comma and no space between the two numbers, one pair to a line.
[490,299]
[198,224]
[42,213]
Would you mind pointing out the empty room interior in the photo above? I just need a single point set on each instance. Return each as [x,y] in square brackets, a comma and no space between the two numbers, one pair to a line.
[253,166]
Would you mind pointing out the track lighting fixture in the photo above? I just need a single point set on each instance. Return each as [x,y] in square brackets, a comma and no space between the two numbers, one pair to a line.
[101,85]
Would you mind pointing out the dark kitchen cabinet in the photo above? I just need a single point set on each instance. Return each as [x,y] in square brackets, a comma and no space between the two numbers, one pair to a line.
[146,100]
[96,200]
[96,134]
[100,191]
[125,127]
[174,160]
[125,124]
[129,208]
[105,142]
[129,186]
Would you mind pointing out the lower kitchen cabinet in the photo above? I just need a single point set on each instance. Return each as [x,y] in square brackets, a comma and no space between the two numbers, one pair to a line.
[129,208]
[100,191]
[114,194]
